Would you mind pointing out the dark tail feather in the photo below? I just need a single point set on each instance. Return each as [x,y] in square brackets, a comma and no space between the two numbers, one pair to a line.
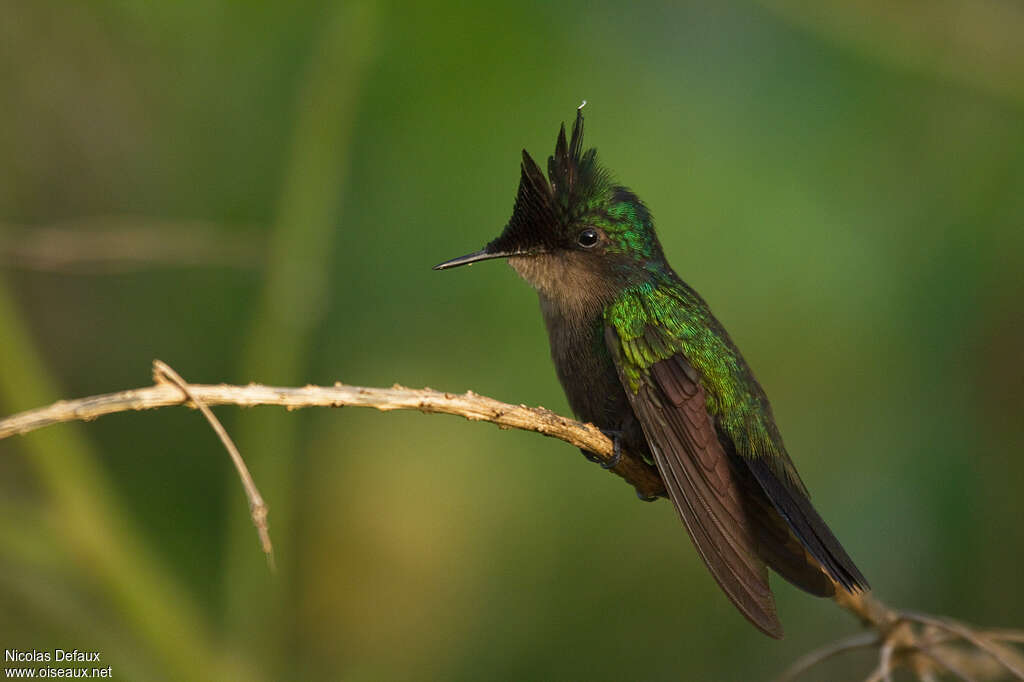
[776,543]
[809,529]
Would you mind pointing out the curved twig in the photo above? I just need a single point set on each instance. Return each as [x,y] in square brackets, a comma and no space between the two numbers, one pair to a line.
[969,635]
[853,642]
[258,510]
[883,673]
[945,663]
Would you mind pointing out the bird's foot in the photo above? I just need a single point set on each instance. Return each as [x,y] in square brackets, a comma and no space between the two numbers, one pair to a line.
[616,437]
[644,497]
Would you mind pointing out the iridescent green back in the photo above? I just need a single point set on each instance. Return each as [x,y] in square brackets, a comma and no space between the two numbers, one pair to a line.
[660,318]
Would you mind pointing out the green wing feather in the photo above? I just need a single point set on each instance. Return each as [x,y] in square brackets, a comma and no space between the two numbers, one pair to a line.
[674,357]
[655,322]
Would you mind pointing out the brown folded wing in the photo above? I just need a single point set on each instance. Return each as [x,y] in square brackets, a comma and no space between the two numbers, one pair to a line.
[702,485]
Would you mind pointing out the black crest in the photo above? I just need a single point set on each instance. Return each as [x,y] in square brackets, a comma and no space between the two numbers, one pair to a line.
[543,205]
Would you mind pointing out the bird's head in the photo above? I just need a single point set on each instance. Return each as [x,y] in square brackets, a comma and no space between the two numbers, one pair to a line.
[575,233]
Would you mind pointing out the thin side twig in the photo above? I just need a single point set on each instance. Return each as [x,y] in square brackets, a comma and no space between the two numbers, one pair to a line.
[1003,635]
[972,636]
[901,645]
[945,663]
[124,243]
[860,640]
[895,638]
[257,507]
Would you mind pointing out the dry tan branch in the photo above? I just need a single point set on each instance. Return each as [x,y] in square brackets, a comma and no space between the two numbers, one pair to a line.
[469,405]
[926,645]
[124,243]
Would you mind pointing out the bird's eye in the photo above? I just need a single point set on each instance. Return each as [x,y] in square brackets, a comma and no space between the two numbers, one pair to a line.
[587,238]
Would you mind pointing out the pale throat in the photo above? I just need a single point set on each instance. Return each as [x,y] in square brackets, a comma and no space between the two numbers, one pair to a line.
[565,283]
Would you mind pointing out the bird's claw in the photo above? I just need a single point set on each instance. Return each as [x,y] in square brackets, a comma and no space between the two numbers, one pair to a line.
[616,452]
[616,437]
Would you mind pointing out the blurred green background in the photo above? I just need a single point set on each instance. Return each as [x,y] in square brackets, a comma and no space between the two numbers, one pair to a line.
[255,191]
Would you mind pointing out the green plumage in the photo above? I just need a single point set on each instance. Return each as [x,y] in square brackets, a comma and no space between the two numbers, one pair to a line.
[658,319]
[640,355]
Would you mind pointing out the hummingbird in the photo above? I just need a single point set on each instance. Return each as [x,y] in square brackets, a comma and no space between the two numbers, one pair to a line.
[641,356]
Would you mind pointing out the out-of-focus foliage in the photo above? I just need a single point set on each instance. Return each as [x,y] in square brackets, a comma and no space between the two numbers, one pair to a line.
[270,184]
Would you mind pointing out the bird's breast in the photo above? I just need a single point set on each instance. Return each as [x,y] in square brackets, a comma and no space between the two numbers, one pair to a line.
[585,368]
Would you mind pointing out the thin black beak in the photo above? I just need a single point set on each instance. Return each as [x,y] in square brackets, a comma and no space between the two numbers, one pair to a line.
[472,258]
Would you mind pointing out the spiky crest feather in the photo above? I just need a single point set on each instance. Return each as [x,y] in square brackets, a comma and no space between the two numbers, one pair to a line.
[574,185]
